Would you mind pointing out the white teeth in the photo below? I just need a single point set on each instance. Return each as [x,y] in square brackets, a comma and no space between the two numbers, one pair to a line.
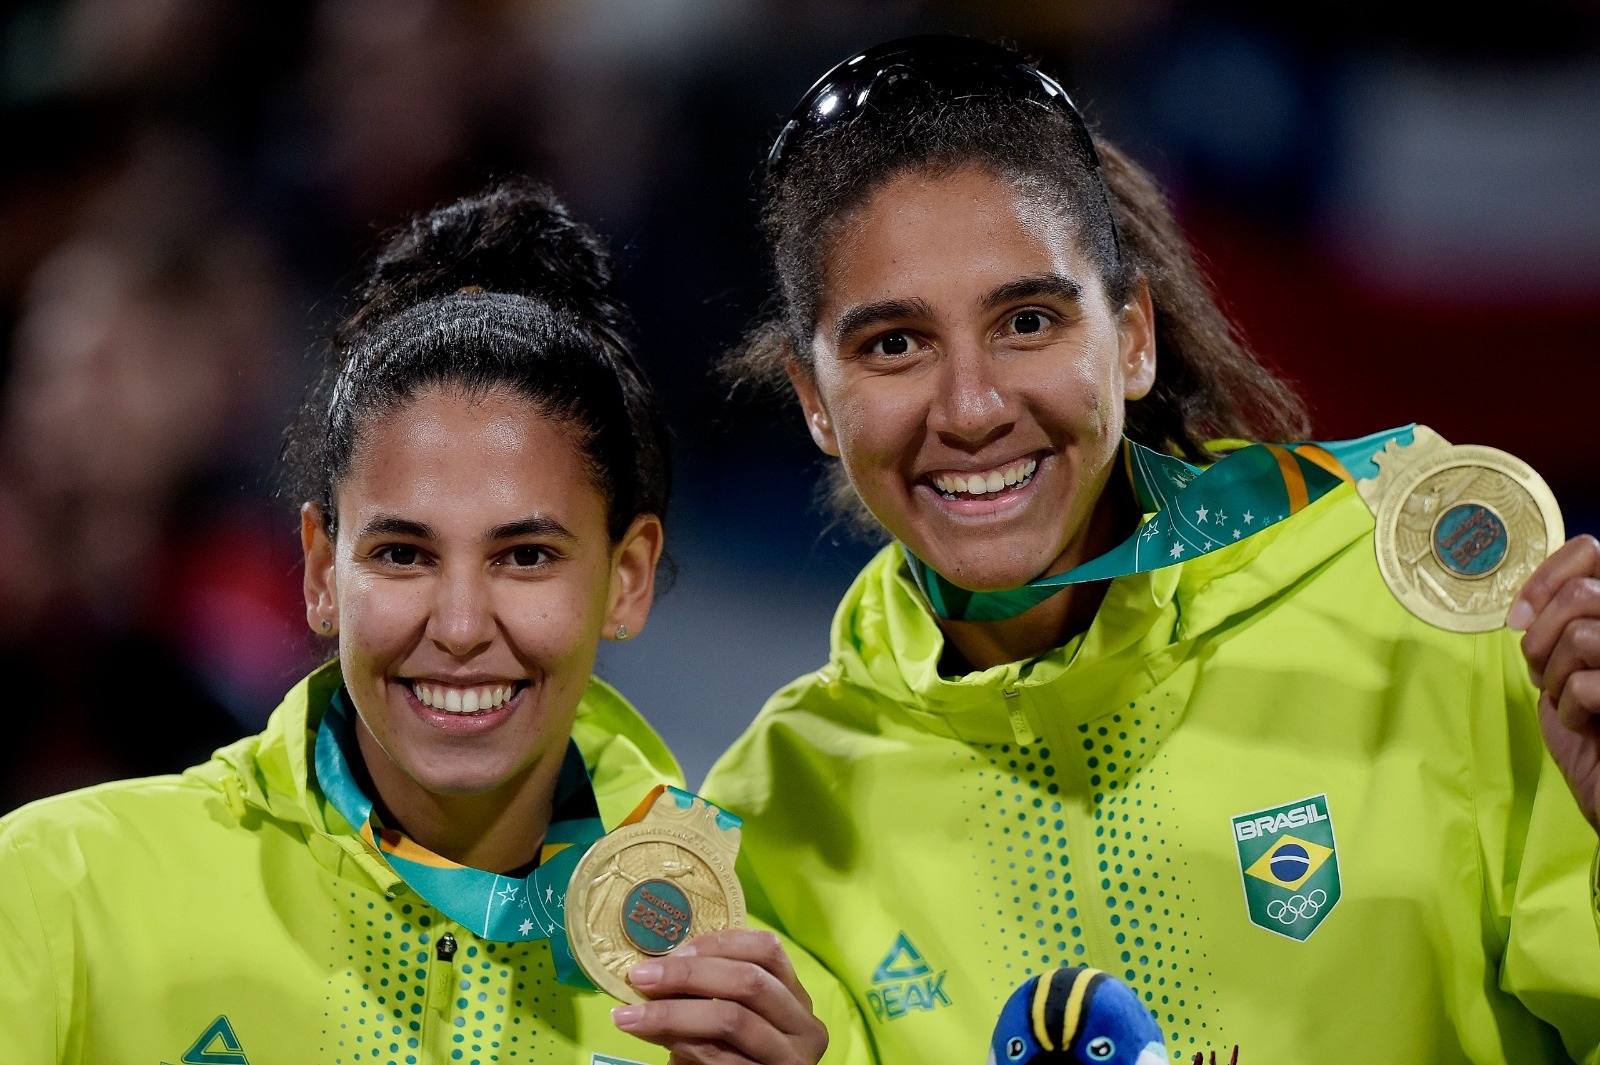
[462,700]
[977,484]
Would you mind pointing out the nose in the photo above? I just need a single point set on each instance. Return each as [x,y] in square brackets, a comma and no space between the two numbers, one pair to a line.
[972,406]
[462,621]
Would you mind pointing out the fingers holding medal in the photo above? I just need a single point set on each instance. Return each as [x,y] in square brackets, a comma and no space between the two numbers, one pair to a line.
[647,888]
[1469,538]
[1559,611]
[655,917]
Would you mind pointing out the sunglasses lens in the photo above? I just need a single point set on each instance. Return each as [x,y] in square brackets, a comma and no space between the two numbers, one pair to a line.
[940,66]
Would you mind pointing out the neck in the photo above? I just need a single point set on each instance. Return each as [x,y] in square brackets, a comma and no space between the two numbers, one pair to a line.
[978,645]
[497,831]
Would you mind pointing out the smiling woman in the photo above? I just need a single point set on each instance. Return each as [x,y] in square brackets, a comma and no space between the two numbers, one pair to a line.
[1107,693]
[381,874]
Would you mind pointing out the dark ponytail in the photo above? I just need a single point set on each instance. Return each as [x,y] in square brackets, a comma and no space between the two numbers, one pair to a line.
[503,289]
[1209,384]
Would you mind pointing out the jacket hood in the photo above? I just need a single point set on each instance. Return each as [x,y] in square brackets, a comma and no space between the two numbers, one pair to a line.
[886,639]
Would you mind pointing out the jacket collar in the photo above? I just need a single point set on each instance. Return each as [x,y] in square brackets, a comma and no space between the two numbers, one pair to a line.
[886,639]
[271,772]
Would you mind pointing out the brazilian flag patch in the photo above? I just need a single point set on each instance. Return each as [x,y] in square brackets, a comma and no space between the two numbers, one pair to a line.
[1290,866]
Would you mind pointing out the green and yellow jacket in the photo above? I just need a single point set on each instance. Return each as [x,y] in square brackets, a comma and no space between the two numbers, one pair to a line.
[230,916]
[1293,817]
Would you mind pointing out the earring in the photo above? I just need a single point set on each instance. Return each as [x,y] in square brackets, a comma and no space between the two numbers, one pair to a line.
[327,626]
[622,632]
[820,420]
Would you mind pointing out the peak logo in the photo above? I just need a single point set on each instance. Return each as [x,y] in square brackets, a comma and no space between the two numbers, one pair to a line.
[904,982]
[1291,880]
[217,1045]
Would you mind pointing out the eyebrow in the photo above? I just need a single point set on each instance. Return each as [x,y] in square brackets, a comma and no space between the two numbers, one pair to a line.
[537,525]
[1057,286]
[863,315]
[389,525]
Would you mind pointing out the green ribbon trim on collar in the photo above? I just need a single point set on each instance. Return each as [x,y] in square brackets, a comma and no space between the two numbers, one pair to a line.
[507,909]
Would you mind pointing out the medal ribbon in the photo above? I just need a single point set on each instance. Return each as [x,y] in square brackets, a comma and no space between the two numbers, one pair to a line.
[508,909]
[1194,511]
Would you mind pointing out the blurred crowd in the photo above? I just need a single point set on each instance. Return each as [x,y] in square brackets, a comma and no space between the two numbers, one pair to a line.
[1401,210]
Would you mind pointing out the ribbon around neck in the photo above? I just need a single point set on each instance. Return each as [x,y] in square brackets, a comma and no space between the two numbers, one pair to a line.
[508,909]
[1193,511]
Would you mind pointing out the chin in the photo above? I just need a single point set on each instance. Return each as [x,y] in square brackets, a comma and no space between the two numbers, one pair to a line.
[460,781]
[988,574]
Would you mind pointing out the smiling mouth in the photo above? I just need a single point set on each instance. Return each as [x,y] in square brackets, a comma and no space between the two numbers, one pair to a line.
[985,484]
[464,700]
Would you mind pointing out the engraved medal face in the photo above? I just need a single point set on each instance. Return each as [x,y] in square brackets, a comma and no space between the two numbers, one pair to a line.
[1459,529]
[647,888]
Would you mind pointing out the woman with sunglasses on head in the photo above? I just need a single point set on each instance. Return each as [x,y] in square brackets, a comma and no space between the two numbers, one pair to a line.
[380,875]
[1109,698]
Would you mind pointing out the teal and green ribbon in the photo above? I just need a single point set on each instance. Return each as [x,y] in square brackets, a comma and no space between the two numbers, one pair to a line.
[1193,511]
[507,909]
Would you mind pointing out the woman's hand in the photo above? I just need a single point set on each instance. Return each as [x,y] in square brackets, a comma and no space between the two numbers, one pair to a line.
[1559,608]
[725,998]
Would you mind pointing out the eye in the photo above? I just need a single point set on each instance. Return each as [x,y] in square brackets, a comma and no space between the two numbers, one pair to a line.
[528,556]
[1015,1047]
[891,344]
[1025,322]
[398,555]
[1101,1048]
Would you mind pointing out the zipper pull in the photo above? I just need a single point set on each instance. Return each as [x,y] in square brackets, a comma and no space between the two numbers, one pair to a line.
[441,980]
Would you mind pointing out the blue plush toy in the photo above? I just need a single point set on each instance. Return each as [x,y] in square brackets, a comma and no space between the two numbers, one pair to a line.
[1076,1016]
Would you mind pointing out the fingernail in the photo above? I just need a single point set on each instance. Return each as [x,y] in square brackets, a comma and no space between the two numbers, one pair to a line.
[686,951]
[645,973]
[1521,615]
[625,1017]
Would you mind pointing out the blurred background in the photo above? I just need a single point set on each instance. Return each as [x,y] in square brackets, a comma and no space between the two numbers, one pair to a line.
[1402,210]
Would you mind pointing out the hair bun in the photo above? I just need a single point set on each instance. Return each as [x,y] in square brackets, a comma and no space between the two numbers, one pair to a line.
[515,237]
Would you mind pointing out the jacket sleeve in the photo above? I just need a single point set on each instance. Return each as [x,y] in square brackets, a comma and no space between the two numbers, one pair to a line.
[1539,862]
[29,1010]
[848,1042]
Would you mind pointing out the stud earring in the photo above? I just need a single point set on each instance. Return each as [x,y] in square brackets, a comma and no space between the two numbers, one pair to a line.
[622,632]
[327,626]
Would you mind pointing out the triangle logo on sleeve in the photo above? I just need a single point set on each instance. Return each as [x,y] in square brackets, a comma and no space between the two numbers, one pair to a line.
[904,982]
[217,1045]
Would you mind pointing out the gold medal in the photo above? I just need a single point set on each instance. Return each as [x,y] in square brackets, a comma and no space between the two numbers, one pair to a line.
[1460,528]
[652,885]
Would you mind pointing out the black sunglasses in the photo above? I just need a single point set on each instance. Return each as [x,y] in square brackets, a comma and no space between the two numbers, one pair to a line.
[952,67]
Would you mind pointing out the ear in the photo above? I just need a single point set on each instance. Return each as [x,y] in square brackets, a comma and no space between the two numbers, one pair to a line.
[321,591]
[1136,332]
[633,575]
[817,419]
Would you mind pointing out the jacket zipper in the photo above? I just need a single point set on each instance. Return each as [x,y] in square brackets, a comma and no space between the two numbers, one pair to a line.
[442,978]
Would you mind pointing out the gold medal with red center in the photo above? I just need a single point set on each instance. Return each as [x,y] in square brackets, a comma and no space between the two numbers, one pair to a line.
[651,885]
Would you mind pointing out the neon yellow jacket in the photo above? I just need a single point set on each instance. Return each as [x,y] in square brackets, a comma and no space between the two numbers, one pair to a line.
[229,916]
[1294,818]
